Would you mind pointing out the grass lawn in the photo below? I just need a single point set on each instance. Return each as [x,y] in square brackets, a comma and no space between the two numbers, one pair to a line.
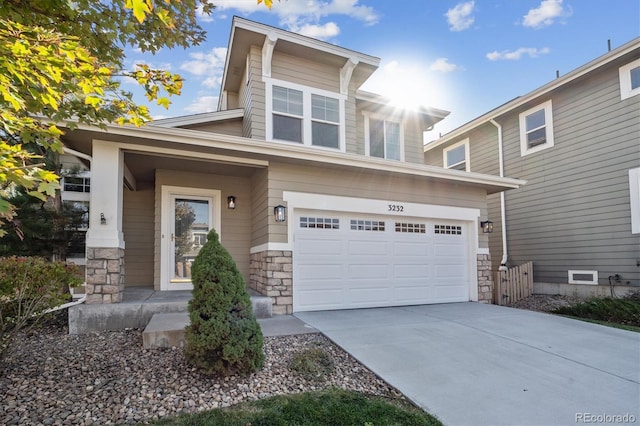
[330,407]
[621,313]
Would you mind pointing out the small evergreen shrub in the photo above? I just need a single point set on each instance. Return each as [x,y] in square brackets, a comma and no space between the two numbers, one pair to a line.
[313,364]
[224,336]
[28,287]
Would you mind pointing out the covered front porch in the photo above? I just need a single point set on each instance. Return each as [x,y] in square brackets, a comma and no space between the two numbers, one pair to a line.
[139,305]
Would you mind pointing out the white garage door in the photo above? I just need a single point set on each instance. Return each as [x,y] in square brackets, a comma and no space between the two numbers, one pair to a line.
[356,261]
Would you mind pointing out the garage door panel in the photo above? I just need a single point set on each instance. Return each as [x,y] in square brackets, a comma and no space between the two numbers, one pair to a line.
[321,272]
[415,293]
[368,296]
[411,248]
[329,246]
[369,271]
[411,271]
[369,247]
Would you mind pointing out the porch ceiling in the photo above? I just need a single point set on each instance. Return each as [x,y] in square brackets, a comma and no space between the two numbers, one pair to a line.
[143,166]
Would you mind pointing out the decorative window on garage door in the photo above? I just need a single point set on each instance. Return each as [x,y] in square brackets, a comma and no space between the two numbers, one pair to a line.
[411,228]
[319,223]
[367,225]
[447,229]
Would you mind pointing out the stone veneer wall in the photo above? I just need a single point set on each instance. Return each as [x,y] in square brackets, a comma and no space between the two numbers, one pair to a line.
[271,274]
[105,275]
[485,279]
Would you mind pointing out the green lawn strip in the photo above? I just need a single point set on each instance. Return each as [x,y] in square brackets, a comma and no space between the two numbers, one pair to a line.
[605,323]
[624,313]
[330,407]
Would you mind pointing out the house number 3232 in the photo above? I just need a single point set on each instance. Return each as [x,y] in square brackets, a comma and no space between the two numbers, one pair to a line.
[396,207]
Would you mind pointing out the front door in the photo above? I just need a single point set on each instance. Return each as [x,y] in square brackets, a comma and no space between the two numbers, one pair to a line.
[187,217]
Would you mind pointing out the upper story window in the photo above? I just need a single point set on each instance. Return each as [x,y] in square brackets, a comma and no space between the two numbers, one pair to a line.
[305,115]
[287,114]
[457,156]
[536,129]
[383,138]
[325,121]
[630,79]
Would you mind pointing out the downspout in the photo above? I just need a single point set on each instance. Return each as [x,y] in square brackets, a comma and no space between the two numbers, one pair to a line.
[505,255]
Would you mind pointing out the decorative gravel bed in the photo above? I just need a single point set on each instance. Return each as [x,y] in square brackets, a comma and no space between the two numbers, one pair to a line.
[545,302]
[50,377]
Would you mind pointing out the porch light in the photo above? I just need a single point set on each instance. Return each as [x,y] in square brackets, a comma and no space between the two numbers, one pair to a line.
[487,226]
[231,202]
[280,213]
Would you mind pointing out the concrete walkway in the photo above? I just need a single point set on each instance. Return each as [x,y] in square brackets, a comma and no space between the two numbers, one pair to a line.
[475,364]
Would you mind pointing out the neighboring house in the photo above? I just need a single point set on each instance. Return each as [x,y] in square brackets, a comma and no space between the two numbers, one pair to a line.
[365,222]
[576,141]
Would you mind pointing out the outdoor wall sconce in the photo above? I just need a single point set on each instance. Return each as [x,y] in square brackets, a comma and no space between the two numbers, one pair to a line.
[280,213]
[487,226]
[231,202]
[103,220]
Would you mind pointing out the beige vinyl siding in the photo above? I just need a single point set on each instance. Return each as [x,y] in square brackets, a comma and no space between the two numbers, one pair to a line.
[305,72]
[227,127]
[360,184]
[236,229]
[138,230]
[413,140]
[253,99]
[354,144]
[261,212]
[574,212]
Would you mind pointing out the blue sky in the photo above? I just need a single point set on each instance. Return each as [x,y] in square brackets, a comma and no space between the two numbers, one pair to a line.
[466,57]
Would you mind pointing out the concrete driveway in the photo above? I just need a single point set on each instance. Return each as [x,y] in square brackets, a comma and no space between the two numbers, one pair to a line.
[475,364]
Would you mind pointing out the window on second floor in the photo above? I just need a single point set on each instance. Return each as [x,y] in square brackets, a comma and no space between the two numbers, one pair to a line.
[304,115]
[457,156]
[383,138]
[536,129]
[630,79]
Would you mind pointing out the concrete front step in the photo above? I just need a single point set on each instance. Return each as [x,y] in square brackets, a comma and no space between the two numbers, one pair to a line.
[168,330]
[137,309]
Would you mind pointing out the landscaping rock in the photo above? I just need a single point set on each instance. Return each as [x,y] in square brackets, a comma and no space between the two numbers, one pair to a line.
[108,378]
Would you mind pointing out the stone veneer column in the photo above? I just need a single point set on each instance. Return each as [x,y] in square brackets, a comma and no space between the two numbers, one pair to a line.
[271,274]
[105,275]
[485,279]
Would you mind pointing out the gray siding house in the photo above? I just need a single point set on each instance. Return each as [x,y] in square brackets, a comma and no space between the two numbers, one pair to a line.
[576,141]
[318,189]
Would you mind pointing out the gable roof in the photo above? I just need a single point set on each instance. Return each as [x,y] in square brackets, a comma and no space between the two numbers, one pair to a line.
[625,49]
[246,33]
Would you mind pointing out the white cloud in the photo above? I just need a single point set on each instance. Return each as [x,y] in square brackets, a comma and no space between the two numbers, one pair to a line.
[532,52]
[545,14]
[208,65]
[321,32]
[203,104]
[460,17]
[443,65]
[296,15]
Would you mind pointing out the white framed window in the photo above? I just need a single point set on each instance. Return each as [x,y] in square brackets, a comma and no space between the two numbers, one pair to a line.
[630,79]
[583,277]
[384,138]
[304,115]
[634,195]
[287,114]
[536,129]
[456,156]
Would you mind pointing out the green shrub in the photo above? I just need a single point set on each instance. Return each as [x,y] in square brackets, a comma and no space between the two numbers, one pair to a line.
[224,337]
[313,364]
[619,311]
[28,287]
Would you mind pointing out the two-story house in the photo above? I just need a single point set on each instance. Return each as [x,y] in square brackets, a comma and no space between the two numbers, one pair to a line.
[318,190]
[576,141]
